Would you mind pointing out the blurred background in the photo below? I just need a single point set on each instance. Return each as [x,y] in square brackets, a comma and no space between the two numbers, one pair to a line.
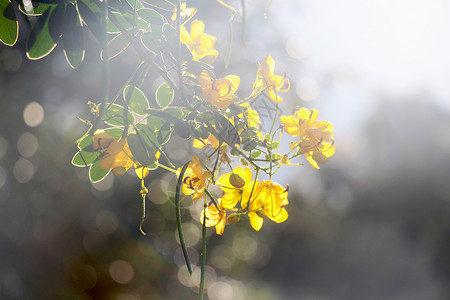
[372,223]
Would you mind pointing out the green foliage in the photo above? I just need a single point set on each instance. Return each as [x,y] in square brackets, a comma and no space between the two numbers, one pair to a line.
[164,95]
[9,26]
[132,130]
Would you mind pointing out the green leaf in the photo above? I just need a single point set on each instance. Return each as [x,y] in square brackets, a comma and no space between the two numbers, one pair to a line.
[117,45]
[84,158]
[255,154]
[182,129]
[164,95]
[163,4]
[155,123]
[170,34]
[154,18]
[148,135]
[164,133]
[48,1]
[175,112]
[227,132]
[126,21]
[36,10]
[115,132]
[152,41]
[112,28]
[45,33]
[73,37]
[137,100]
[97,174]
[114,115]
[86,141]
[206,117]
[9,26]
[140,150]
[91,14]
[274,145]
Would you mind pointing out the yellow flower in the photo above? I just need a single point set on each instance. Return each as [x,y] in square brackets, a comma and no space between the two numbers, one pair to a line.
[251,115]
[184,12]
[266,80]
[271,198]
[194,180]
[210,140]
[214,217]
[219,92]
[237,186]
[116,154]
[199,43]
[315,137]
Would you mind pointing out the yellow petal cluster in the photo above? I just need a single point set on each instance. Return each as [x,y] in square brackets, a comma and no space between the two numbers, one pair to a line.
[214,216]
[242,195]
[270,202]
[115,154]
[268,81]
[194,179]
[315,137]
[210,140]
[219,92]
[185,12]
[199,43]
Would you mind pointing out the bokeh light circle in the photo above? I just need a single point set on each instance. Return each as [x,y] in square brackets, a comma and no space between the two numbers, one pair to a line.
[23,170]
[121,271]
[27,144]
[307,89]
[33,114]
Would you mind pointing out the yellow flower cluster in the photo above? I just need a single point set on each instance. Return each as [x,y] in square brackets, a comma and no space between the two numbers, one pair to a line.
[267,81]
[244,196]
[315,137]
[221,120]
[115,154]
[194,179]
[199,43]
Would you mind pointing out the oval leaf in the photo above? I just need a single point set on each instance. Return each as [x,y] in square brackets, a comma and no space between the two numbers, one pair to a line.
[91,14]
[154,18]
[152,41]
[164,133]
[84,158]
[114,115]
[73,37]
[97,174]
[36,8]
[141,152]
[9,26]
[137,101]
[164,95]
[148,135]
[163,4]
[116,46]
[45,34]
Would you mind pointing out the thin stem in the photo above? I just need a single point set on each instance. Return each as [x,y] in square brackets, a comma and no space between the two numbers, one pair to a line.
[165,167]
[179,71]
[203,262]
[243,22]
[105,64]
[178,216]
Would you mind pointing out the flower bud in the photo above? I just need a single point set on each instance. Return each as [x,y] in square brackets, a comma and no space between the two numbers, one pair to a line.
[144,191]
[233,218]
[236,181]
